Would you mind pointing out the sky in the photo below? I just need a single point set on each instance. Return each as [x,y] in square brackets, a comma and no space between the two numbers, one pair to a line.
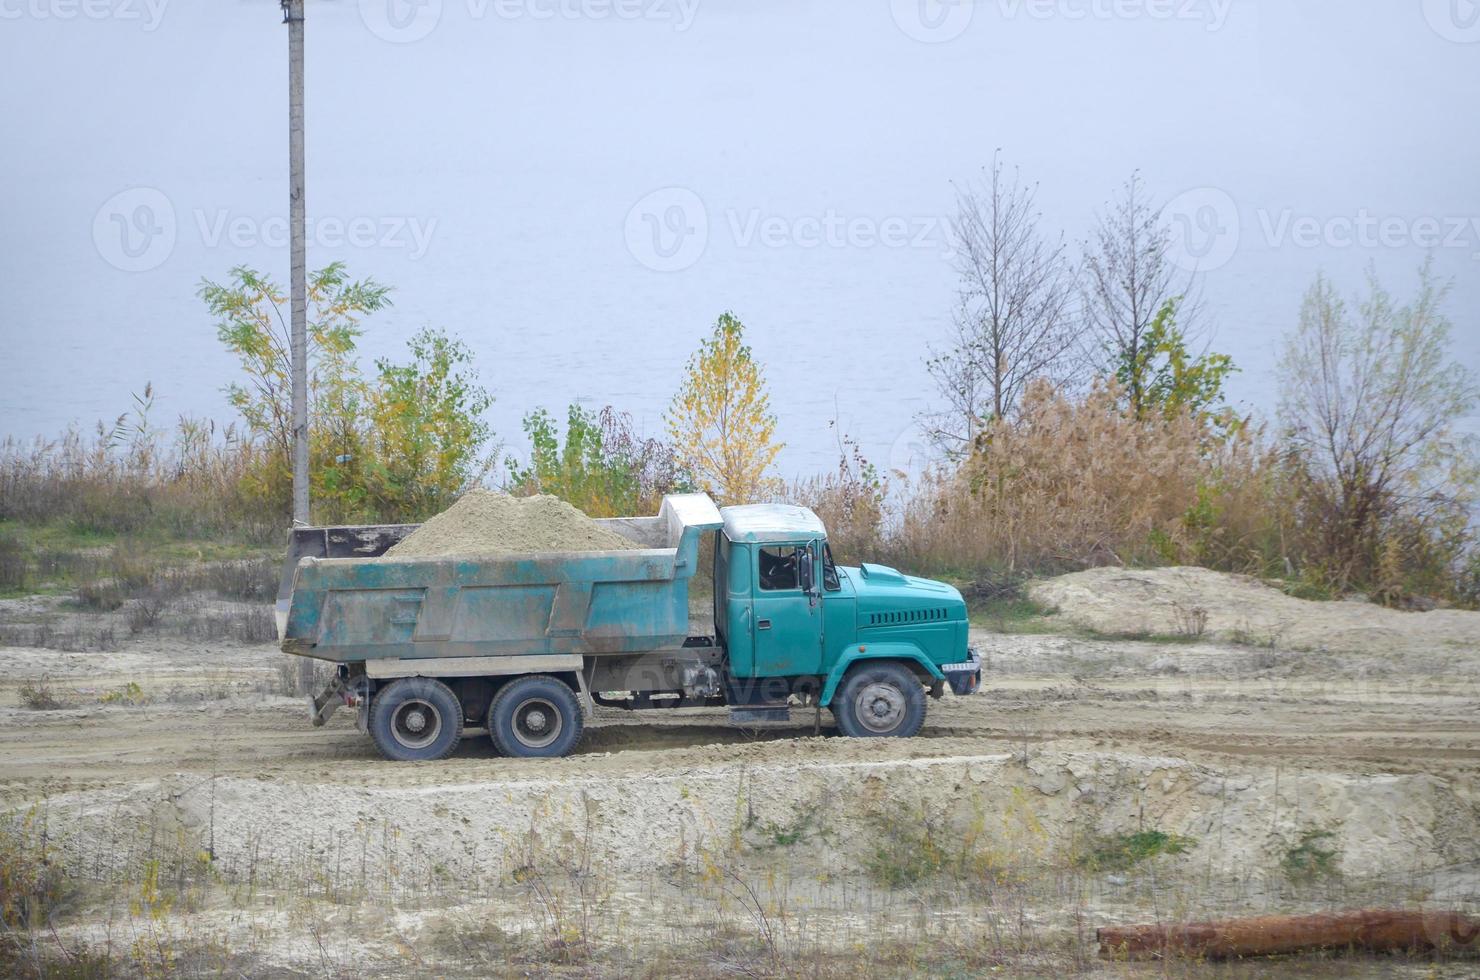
[578,188]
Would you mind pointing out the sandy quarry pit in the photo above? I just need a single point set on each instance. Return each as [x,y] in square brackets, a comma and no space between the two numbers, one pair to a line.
[1359,724]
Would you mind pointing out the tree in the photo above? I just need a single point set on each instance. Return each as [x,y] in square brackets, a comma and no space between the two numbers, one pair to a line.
[720,420]
[579,471]
[1012,324]
[1369,404]
[604,468]
[399,447]
[426,421]
[1128,279]
[249,310]
[1171,381]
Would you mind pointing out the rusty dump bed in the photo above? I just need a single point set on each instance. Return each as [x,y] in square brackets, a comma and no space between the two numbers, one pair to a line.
[341,601]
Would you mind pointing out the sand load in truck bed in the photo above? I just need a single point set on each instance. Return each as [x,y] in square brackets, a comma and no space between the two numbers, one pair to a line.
[486,523]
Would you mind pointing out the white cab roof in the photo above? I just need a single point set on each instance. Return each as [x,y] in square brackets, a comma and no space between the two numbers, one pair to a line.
[771,522]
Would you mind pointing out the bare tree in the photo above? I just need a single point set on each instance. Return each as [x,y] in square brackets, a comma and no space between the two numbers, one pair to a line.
[1128,277]
[1013,322]
[1369,403]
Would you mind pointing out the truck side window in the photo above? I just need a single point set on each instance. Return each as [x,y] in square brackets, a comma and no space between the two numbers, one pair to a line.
[778,568]
[829,571]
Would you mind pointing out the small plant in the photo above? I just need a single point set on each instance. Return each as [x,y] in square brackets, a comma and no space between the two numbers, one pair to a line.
[15,568]
[251,580]
[1118,852]
[906,851]
[1192,621]
[40,696]
[99,595]
[1312,857]
[794,831]
[1264,639]
[32,885]
[146,612]
[129,694]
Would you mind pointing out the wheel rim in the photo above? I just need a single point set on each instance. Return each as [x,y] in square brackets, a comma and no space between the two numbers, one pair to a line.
[537,723]
[416,723]
[880,707]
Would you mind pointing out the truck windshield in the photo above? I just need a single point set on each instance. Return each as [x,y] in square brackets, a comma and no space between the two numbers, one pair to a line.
[829,570]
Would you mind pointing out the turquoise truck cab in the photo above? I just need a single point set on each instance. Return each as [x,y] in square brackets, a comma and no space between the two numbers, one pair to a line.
[525,645]
[784,609]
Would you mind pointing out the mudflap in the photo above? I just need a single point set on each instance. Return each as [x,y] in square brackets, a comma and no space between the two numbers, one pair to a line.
[327,702]
[342,690]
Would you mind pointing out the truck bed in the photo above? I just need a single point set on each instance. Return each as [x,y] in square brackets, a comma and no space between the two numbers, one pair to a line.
[348,609]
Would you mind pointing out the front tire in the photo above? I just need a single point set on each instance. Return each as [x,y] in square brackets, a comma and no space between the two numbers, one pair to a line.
[416,719]
[535,717]
[879,700]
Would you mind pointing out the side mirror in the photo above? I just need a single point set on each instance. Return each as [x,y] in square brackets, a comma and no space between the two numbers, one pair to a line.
[805,576]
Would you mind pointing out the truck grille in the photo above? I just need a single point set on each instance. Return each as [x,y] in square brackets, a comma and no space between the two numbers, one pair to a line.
[907,616]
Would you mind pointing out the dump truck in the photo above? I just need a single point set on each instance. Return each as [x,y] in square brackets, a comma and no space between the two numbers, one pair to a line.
[525,646]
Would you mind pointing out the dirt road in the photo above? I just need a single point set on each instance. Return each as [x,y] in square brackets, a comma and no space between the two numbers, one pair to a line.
[1257,759]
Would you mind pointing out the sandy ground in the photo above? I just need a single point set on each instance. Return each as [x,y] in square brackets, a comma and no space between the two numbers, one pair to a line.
[1243,750]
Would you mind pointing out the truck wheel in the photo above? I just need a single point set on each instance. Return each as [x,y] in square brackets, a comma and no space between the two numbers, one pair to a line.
[415,719]
[535,717]
[879,700]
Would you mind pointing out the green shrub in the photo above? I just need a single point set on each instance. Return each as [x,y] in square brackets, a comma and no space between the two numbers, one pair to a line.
[1311,858]
[1118,852]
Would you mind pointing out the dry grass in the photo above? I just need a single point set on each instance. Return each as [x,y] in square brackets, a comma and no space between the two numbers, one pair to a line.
[32,883]
[124,481]
[40,695]
[851,501]
[1067,485]
[1074,482]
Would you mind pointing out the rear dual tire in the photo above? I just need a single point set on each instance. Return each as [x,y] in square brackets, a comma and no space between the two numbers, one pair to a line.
[416,719]
[535,717]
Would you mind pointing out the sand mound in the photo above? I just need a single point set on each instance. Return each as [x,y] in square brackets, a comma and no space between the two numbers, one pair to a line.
[487,523]
[1128,602]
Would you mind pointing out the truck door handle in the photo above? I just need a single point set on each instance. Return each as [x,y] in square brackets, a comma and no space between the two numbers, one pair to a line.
[762,624]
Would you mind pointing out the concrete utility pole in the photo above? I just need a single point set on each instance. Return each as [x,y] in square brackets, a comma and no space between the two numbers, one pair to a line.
[293,17]
[298,290]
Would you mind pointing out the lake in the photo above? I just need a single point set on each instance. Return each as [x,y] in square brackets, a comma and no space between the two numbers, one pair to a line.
[578,189]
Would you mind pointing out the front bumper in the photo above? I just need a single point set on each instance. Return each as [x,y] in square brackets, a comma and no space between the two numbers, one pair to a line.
[965,677]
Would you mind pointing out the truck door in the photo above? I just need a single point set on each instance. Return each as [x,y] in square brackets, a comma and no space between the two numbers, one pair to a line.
[785,622]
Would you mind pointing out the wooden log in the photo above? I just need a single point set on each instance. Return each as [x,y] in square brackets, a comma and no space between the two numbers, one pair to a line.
[1368,930]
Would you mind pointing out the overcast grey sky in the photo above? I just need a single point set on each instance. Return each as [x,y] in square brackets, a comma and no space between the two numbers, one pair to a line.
[578,187]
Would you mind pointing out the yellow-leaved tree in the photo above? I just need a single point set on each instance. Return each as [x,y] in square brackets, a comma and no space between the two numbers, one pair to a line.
[720,420]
